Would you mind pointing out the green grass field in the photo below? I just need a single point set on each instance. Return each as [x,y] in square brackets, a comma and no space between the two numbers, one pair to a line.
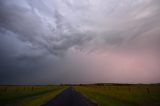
[126,95]
[28,95]
[104,95]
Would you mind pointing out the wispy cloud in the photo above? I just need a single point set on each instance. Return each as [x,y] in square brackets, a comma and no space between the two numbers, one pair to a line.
[111,39]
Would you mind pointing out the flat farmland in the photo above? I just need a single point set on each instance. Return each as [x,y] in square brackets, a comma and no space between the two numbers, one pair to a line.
[76,95]
[28,95]
[122,95]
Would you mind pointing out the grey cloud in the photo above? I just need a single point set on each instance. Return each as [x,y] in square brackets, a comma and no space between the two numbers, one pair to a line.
[39,35]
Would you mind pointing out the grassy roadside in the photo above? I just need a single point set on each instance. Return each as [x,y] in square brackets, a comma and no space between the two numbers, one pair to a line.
[122,95]
[29,97]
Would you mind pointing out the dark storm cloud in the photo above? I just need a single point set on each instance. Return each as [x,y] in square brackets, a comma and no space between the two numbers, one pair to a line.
[42,40]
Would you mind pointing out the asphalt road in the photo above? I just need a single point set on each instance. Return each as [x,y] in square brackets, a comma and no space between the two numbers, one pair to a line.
[69,97]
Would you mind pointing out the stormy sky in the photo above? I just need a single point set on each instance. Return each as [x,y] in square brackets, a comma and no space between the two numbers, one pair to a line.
[79,41]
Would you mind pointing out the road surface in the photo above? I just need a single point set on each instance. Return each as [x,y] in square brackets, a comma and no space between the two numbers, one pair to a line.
[70,97]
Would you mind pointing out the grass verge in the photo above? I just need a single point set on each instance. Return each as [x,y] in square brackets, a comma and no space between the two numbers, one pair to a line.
[29,97]
[135,95]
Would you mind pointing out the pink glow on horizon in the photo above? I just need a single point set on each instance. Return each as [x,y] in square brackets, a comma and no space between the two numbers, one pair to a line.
[121,66]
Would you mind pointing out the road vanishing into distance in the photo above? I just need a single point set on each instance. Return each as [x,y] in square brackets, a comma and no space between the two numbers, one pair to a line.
[70,97]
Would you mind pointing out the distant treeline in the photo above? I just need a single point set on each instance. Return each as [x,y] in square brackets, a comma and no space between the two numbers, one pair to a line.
[96,84]
[109,84]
